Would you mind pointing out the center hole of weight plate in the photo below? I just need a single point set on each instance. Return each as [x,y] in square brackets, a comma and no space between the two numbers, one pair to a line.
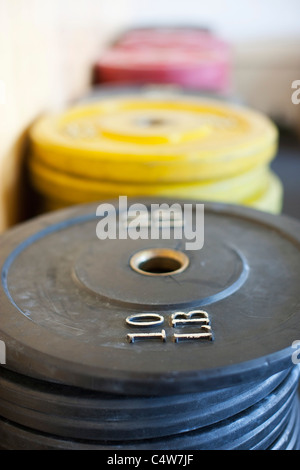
[147,121]
[159,262]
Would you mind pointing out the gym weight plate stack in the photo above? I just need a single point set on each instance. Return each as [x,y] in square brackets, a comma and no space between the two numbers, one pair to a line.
[131,344]
[191,58]
[177,146]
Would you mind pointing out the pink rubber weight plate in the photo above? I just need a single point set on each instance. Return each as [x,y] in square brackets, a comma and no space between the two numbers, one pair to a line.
[192,59]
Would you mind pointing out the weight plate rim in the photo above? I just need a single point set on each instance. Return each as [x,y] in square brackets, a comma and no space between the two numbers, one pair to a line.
[83,413]
[271,199]
[158,173]
[72,188]
[175,442]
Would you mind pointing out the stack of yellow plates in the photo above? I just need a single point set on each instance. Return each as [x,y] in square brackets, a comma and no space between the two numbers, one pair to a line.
[181,146]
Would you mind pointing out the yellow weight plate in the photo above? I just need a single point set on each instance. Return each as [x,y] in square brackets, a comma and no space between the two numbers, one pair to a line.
[271,199]
[157,172]
[77,190]
[143,139]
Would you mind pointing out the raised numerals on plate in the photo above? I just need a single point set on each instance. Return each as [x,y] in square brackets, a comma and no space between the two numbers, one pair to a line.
[196,318]
[145,320]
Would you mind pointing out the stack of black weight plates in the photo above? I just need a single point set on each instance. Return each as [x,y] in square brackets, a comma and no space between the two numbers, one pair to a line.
[137,344]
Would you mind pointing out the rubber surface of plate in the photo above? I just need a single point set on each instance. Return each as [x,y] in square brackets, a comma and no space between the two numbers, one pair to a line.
[155,140]
[239,433]
[65,297]
[78,190]
[270,199]
[191,58]
[76,413]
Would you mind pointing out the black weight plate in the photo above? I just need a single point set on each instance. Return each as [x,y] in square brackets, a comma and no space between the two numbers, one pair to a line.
[267,441]
[65,296]
[239,432]
[289,439]
[246,429]
[77,413]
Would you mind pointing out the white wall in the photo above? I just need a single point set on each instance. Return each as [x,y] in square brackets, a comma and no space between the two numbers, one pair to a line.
[236,20]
